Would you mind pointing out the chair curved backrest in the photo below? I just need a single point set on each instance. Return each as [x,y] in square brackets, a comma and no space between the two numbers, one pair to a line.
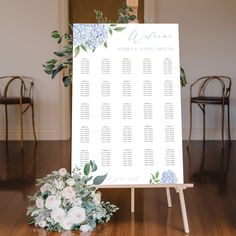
[202,85]
[17,90]
[16,86]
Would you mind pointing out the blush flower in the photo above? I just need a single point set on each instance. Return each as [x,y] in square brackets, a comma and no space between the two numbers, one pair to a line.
[58,214]
[52,202]
[68,192]
[46,187]
[62,172]
[39,203]
[77,215]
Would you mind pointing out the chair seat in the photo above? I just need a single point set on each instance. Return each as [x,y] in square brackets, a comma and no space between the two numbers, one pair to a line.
[15,100]
[209,100]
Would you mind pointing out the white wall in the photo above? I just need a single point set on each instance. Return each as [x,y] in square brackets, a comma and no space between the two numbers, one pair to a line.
[25,43]
[207,46]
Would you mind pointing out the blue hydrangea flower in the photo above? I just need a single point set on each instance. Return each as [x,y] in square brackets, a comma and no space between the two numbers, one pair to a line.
[90,35]
[168,177]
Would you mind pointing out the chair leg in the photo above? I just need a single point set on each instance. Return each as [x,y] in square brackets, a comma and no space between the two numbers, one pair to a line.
[6,119]
[190,124]
[32,108]
[204,122]
[21,126]
[229,123]
[222,124]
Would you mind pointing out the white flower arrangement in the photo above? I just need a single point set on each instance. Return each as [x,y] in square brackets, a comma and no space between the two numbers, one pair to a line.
[67,201]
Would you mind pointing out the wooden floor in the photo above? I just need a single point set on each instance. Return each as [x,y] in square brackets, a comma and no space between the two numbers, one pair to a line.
[211,204]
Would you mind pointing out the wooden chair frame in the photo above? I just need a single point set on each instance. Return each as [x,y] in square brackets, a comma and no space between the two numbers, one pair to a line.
[201,100]
[24,97]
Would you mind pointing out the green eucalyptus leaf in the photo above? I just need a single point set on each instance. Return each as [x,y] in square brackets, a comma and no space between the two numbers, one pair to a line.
[157,174]
[77,50]
[83,47]
[59,40]
[105,44]
[87,169]
[52,61]
[57,70]
[119,29]
[59,54]
[132,17]
[99,179]
[67,81]
[55,35]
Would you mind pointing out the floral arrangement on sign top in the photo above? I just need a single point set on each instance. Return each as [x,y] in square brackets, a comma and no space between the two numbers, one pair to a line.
[64,60]
[67,201]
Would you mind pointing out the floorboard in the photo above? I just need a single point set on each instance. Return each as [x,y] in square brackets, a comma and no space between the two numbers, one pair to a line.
[211,204]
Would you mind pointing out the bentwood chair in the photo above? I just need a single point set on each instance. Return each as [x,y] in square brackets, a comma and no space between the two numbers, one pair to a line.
[17,90]
[211,90]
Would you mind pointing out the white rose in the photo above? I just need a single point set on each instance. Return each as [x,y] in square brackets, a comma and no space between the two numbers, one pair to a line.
[59,184]
[77,215]
[58,214]
[85,228]
[62,172]
[39,203]
[52,202]
[66,223]
[42,223]
[70,182]
[97,198]
[45,187]
[68,192]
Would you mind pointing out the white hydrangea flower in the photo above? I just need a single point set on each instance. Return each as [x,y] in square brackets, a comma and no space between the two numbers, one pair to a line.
[46,187]
[97,198]
[77,215]
[59,184]
[85,228]
[70,182]
[58,214]
[62,172]
[39,203]
[52,202]
[68,192]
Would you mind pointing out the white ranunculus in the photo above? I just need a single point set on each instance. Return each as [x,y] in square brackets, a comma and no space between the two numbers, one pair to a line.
[97,198]
[46,187]
[68,192]
[70,182]
[59,184]
[58,214]
[66,223]
[77,215]
[62,172]
[42,223]
[52,202]
[39,203]
[85,228]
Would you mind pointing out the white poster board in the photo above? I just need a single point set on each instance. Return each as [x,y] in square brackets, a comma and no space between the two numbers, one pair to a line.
[126,102]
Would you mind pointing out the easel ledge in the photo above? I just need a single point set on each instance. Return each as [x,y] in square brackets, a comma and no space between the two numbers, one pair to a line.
[178,188]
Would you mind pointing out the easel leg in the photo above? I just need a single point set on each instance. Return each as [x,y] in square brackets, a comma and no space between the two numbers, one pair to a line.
[168,196]
[132,200]
[183,209]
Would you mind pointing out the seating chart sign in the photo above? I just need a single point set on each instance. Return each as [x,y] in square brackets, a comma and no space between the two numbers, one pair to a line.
[126,102]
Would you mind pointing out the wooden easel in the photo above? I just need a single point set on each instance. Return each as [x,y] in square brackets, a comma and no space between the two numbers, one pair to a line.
[178,188]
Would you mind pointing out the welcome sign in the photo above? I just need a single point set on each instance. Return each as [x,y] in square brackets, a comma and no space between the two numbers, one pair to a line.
[126,102]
